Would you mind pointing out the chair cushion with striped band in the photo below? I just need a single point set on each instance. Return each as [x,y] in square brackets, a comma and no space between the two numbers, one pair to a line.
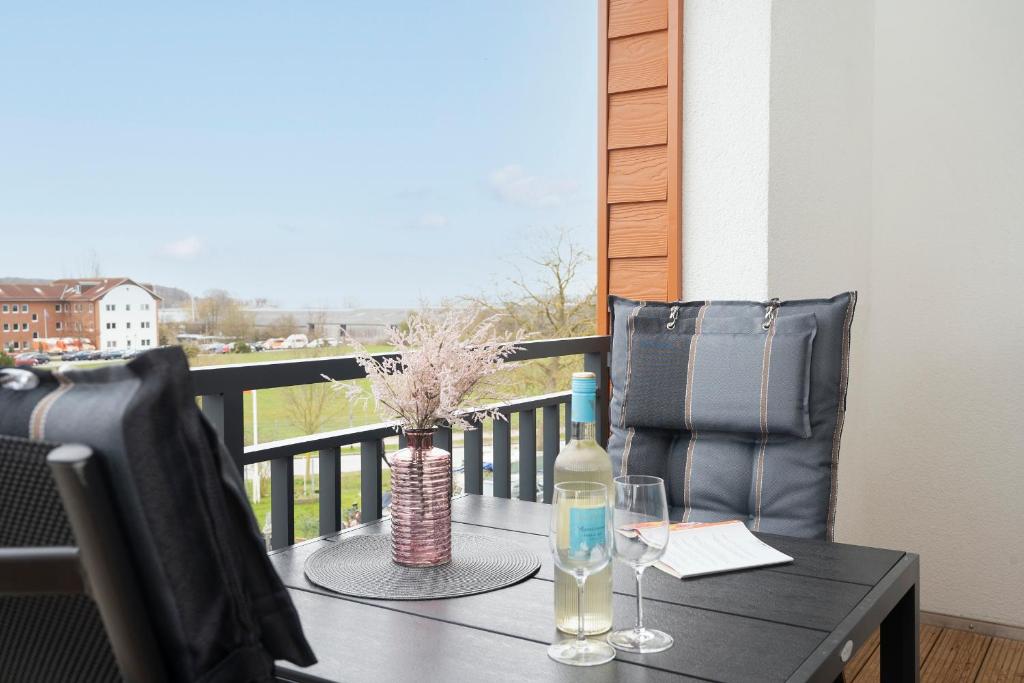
[739,411]
[744,379]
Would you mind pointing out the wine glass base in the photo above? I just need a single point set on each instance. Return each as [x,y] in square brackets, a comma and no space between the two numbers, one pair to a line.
[591,653]
[643,641]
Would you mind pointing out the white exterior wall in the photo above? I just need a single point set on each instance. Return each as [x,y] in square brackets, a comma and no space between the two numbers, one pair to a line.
[129,332]
[894,165]
[726,49]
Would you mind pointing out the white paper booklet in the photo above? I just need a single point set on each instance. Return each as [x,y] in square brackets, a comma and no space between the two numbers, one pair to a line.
[697,549]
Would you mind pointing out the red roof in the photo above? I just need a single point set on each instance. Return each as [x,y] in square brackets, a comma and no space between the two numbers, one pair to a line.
[67,290]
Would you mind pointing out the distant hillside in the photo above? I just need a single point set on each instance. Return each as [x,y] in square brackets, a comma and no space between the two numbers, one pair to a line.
[172,296]
[23,281]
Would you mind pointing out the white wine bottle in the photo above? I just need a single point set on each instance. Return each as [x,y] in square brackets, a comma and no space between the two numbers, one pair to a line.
[583,459]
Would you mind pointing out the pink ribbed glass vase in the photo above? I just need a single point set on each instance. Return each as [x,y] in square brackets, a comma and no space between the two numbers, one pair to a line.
[421,503]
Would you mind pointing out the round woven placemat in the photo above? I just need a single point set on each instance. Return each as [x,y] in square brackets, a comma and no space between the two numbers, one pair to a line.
[361,567]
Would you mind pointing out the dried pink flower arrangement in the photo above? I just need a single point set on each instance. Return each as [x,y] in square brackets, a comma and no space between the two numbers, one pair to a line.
[438,364]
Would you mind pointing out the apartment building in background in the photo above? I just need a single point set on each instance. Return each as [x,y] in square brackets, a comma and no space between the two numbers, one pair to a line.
[102,313]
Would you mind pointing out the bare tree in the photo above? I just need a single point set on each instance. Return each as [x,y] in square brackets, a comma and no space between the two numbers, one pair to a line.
[282,326]
[307,409]
[550,300]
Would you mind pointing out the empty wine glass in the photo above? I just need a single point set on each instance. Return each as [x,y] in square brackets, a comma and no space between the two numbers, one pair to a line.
[581,540]
[640,517]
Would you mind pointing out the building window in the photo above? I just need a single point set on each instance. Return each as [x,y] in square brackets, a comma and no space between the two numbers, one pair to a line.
[111,326]
[24,308]
[145,325]
[144,342]
[127,326]
[145,307]
[7,327]
[6,309]
[35,317]
[35,335]
[60,325]
[127,307]
[24,327]
[111,307]
[56,307]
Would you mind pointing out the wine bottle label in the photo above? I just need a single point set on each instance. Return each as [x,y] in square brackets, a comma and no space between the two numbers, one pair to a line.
[586,531]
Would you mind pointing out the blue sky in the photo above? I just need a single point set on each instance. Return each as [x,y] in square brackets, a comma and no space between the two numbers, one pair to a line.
[315,153]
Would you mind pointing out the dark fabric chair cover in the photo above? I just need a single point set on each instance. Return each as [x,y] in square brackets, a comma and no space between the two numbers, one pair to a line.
[738,405]
[51,638]
[223,613]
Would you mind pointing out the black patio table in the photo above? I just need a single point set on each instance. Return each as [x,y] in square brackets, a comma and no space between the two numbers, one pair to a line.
[800,621]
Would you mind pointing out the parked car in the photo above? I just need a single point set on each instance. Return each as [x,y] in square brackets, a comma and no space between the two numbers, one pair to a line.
[69,355]
[112,354]
[296,341]
[132,353]
[29,359]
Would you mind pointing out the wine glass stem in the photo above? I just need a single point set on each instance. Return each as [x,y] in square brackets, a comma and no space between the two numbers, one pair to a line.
[581,637]
[639,600]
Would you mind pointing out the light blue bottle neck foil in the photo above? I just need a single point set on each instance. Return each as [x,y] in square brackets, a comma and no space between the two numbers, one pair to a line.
[584,408]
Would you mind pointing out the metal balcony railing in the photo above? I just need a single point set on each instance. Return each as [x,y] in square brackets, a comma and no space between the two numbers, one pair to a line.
[222,388]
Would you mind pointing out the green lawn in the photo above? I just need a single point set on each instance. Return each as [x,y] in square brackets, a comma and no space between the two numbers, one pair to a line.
[307,507]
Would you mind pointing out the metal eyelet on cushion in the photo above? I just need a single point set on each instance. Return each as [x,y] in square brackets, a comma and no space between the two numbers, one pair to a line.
[770,312]
[673,314]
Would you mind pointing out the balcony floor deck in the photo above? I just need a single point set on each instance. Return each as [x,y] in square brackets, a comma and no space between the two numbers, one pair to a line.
[950,655]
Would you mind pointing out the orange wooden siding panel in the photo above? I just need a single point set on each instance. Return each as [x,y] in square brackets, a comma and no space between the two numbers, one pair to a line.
[638,230]
[639,221]
[639,278]
[629,17]
[637,175]
[636,62]
[638,119]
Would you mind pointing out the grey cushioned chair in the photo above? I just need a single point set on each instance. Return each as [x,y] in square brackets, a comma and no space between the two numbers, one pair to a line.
[738,405]
[173,520]
[58,600]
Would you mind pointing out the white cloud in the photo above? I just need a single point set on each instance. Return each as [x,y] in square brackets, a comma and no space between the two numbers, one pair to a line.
[514,185]
[432,220]
[185,248]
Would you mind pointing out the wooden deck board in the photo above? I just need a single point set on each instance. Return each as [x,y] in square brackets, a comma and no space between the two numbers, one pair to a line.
[1004,662]
[957,656]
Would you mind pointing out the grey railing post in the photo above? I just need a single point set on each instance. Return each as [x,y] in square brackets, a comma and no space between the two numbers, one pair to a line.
[224,411]
[370,453]
[597,363]
[282,502]
[552,442]
[528,455]
[330,490]
[502,456]
[473,448]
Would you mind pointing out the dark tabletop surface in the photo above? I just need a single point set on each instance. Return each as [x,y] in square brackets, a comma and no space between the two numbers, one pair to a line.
[763,624]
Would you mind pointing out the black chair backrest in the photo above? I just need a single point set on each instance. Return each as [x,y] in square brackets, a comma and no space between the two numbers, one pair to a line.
[67,612]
